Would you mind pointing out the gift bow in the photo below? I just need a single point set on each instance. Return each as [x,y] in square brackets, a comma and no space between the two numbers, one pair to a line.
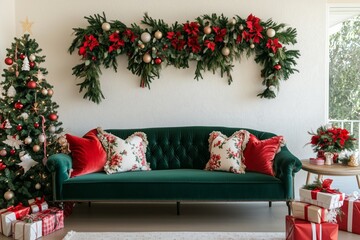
[16,210]
[39,201]
[325,187]
[354,196]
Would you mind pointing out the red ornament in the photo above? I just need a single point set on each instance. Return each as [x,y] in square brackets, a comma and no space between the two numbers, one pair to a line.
[32,64]
[18,105]
[31,84]
[9,61]
[19,127]
[157,61]
[22,56]
[53,117]
[12,151]
[277,67]
[36,125]
[93,58]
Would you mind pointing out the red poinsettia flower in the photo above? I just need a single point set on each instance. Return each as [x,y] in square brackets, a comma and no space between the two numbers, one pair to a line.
[210,45]
[219,34]
[255,29]
[273,44]
[193,43]
[130,35]
[191,28]
[177,41]
[91,42]
[117,42]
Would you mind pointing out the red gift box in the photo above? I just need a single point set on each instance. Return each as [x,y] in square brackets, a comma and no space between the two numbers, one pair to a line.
[11,214]
[350,221]
[52,220]
[300,229]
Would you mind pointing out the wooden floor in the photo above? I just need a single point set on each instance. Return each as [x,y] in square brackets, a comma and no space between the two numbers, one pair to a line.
[227,217]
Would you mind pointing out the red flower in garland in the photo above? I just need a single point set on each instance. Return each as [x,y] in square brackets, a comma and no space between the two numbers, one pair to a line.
[191,28]
[210,45]
[130,35]
[255,29]
[176,40]
[117,42]
[90,42]
[274,45]
[193,43]
[219,34]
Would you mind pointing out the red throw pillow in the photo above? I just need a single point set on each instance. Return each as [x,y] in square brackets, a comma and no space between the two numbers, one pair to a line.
[259,154]
[87,153]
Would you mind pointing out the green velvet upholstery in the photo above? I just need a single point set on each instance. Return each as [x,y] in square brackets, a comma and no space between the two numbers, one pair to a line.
[177,156]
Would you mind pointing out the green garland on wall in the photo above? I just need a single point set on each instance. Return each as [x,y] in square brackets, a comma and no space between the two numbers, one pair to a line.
[214,42]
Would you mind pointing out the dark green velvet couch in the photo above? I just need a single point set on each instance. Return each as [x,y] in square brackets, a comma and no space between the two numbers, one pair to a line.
[177,156]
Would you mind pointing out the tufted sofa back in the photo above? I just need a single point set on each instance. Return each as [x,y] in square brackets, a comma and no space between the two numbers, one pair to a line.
[180,147]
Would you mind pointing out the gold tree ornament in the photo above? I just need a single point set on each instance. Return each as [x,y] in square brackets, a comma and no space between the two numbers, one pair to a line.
[26,26]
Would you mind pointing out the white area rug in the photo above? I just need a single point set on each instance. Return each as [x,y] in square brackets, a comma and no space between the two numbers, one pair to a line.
[72,235]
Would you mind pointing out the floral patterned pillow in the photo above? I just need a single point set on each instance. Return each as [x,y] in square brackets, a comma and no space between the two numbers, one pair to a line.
[124,155]
[226,153]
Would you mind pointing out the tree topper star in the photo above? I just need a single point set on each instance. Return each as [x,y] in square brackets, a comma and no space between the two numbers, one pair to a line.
[26,25]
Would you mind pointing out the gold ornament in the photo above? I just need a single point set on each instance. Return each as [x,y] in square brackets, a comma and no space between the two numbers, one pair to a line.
[36,148]
[147,58]
[37,186]
[106,26]
[32,57]
[207,30]
[145,37]
[270,33]
[27,140]
[158,35]
[26,26]
[8,195]
[35,107]
[142,46]
[44,91]
[225,51]
[232,21]
[252,45]
[50,92]
[241,27]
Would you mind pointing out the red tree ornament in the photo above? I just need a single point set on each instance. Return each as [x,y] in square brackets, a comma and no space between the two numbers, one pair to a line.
[277,67]
[32,64]
[36,125]
[18,105]
[157,61]
[12,151]
[22,56]
[8,61]
[31,84]
[53,117]
[19,127]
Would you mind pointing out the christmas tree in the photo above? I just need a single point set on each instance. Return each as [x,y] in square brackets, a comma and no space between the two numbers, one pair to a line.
[28,125]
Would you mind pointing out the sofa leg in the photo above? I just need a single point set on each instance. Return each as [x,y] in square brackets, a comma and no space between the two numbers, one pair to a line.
[270,203]
[178,208]
[89,204]
[289,208]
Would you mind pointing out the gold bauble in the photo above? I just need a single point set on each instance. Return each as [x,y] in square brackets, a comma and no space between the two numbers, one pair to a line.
[207,30]
[36,148]
[158,35]
[8,195]
[147,58]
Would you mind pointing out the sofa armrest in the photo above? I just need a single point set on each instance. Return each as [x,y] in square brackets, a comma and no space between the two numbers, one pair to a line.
[59,165]
[285,166]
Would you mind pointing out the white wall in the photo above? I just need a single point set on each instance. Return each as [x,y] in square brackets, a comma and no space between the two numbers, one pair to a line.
[176,99]
[7,27]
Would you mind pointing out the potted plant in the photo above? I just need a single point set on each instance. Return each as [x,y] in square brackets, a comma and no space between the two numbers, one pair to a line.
[330,140]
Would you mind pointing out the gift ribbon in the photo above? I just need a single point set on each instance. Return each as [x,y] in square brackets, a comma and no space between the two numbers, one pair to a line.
[306,213]
[38,202]
[325,187]
[16,210]
[23,235]
[352,198]
[313,231]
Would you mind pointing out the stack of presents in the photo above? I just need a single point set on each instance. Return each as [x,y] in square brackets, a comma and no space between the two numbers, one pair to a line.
[321,212]
[30,222]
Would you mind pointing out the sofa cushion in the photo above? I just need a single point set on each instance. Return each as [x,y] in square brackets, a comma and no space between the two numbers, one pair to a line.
[87,153]
[259,154]
[174,184]
[124,155]
[226,153]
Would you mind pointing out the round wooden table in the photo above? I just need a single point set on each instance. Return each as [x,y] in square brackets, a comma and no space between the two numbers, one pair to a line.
[330,170]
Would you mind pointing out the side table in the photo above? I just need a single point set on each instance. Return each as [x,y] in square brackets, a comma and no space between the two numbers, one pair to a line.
[330,170]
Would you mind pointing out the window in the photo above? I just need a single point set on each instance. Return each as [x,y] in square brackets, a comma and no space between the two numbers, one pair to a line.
[344,67]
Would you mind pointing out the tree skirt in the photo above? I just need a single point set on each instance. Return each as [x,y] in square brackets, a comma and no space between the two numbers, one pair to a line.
[72,235]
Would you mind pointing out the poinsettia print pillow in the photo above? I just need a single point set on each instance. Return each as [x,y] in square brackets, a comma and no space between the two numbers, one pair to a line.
[226,153]
[124,155]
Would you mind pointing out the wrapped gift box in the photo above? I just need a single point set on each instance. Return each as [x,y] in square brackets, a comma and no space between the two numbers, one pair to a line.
[297,229]
[309,212]
[38,204]
[52,219]
[350,221]
[322,199]
[22,230]
[11,214]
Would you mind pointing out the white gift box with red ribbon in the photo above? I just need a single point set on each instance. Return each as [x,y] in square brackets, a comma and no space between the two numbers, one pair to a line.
[22,230]
[38,204]
[9,215]
[322,199]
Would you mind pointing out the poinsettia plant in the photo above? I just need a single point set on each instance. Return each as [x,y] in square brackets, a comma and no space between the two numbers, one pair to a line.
[330,138]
